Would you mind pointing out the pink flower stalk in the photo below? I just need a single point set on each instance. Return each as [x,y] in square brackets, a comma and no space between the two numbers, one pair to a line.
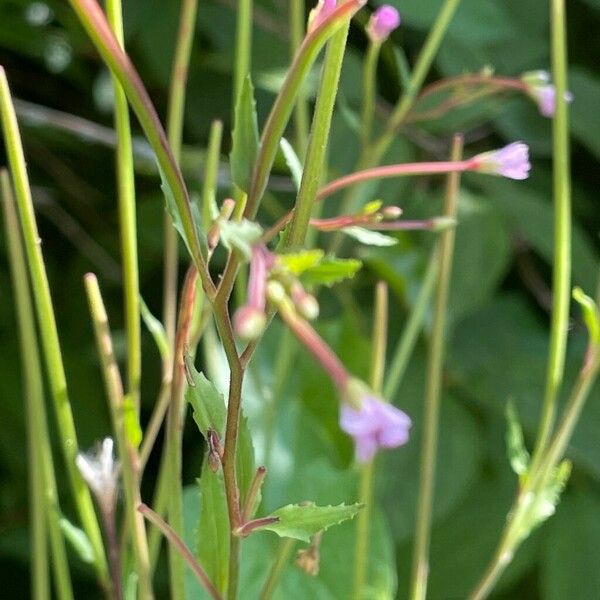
[382,22]
[320,12]
[373,425]
[250,319]
[369,420]
[511,161]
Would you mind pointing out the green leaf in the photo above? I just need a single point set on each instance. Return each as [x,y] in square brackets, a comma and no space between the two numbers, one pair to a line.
[590,314]
[299,262]
[131,422]
[331,270]
[240,236]
[292,161]
[369,237]
[155,327]
[78,539]
[244,460]
[212,534]
[245,137]
[515,445]
[302,521]
[173,211]
[207,402]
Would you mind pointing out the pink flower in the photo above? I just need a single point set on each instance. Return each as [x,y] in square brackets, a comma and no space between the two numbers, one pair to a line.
[541,90]
[383,21]
[511,161]
[374,425]
[319,13]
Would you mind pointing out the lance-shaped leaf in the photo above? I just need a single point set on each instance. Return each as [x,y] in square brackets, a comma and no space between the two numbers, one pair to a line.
[369,237]
[212,534]
[590,314]
[302,521]
[245,137]
[174,212]
[207,402]
[155,327]
[78,539]
[293,162]
[515,445]
[210,412]
[331,270]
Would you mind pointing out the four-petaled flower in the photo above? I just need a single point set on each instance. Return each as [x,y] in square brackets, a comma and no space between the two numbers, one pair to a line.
[382,22]
[511,161]
[373,425]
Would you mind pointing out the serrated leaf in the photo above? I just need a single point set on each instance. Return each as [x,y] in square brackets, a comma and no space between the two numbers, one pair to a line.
[369,237]
[78,539]
[292,161]
[302,521]
[156,329]
[331,270]
[299,262]
[240,236]
[212,534]
[515,445]
[131,422]
[173,211]
[590,314]
[207,402]
[245,137]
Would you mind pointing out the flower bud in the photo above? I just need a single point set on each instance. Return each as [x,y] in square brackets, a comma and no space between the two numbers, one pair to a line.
[249,322]
[383,21]
[391,212]
[306,304]
[542,91]
[512,161]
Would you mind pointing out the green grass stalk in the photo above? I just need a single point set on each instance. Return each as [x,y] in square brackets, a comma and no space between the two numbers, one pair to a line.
[48,329]
[420,570]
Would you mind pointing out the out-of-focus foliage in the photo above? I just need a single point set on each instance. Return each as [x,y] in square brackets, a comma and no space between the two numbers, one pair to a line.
[498,308]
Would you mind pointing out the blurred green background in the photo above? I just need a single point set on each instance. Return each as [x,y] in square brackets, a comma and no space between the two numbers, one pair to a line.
[499,300]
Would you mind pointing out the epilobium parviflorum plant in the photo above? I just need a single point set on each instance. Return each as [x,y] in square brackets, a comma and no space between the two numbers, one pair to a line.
[323,349]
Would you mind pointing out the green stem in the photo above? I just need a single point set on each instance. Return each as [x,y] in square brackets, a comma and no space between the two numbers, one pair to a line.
[367,472]
[406,343]
[537,479]
[419,73]
[33,394]
[175,419]
[319,138]
[562,231]
[175,118]
[127,451]
[435,365]
[243,46]
[127,220]
[369,80]
[92,18]
[297,12]
[286,546]
[48,329]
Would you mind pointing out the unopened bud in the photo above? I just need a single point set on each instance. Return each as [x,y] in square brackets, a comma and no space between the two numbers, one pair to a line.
[249,322]
[275,292]
[306,304]
[383,21]
[391,212]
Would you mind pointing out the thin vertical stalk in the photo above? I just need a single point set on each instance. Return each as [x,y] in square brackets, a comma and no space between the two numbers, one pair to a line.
[411,330]
[175,117]
[48,329]
[297,12]
[369,87]
[319,138]
[127,451]
[367,472]
[175,431]
[33,395]
[562,229]
[286,546]
[127,218]
[243,47]
[211,173]
[419,73]
[435,365]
